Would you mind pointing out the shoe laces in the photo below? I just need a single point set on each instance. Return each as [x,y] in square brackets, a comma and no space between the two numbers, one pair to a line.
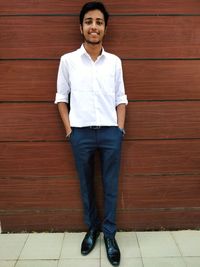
[111,242]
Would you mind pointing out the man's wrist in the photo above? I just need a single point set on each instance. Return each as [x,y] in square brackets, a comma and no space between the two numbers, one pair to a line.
[68,134]
[122,130]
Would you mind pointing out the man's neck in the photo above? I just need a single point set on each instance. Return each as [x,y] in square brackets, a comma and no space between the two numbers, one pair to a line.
[94,50]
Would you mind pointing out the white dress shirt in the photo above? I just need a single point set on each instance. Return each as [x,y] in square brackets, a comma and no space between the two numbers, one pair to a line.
[96,88]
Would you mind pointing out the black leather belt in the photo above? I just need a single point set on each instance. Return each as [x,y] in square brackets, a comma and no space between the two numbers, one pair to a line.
[95,127]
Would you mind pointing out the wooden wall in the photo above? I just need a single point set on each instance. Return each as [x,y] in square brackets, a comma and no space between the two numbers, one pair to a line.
[159,43]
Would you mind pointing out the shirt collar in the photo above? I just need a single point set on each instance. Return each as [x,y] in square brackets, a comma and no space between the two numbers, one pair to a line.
[84,52]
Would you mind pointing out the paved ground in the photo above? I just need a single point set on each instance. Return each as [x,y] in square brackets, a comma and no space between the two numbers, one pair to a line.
[138,249]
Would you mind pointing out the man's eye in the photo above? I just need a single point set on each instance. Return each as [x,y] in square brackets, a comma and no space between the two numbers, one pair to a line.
[88,22]
[99,23]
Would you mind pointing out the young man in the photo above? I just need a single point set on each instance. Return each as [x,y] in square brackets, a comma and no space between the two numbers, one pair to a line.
[94,121]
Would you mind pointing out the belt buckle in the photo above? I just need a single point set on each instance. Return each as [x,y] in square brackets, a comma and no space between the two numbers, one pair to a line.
[95,127]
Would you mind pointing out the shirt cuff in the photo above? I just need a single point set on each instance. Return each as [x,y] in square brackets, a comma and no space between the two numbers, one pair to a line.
[61,98]
[122,100]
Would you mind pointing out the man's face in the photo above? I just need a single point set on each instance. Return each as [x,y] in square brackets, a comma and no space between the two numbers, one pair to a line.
[93,28]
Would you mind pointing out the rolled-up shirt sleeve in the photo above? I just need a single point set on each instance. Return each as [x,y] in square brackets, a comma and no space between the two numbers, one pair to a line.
[63,88]
[120,96]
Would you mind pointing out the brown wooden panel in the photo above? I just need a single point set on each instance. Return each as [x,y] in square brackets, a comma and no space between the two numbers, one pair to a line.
[39,220]
[24,80]
[159,219]
[155,37]
[138,157]
[145,120]
[40,193]
[181,191]
[135,192]
[38,36]
[128,6]
[36,159]
[30,122]
[16,221]
[161,157]
[129,37]
[35,80]
[162,79]
[163,120]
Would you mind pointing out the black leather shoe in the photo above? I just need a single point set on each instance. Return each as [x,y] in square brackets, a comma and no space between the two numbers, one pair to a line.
[112,249]
[89,241]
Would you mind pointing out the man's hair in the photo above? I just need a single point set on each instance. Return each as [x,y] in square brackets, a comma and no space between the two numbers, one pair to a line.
[93,6]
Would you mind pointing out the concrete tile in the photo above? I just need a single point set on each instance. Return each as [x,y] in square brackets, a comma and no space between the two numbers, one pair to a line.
[72,247]
[79,263]
[164,262]
[42,246]
[128,245]
[7,263]
[157,244]
[188,242]
[125,262]
[192,261]
[11,245]
[37,263]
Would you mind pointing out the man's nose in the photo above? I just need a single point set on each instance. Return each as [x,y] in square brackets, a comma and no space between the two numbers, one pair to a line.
[94,25]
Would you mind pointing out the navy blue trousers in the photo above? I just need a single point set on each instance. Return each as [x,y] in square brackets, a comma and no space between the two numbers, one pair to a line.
[85,142]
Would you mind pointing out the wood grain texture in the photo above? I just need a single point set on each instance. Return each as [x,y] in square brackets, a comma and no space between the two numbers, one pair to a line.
[38,220]
[40,193]
[35,80]
[162,79]
[159,192]
[128,6]
[36,159]
[161,157]
[30,122]
[127,36]
[135,192]
[28,80]
[163,120]
[139,158]
[144,120]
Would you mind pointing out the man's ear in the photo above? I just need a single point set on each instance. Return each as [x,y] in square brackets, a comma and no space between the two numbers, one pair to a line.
[81,29]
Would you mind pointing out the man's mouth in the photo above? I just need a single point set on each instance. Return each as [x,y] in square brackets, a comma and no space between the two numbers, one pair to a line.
[94,33]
